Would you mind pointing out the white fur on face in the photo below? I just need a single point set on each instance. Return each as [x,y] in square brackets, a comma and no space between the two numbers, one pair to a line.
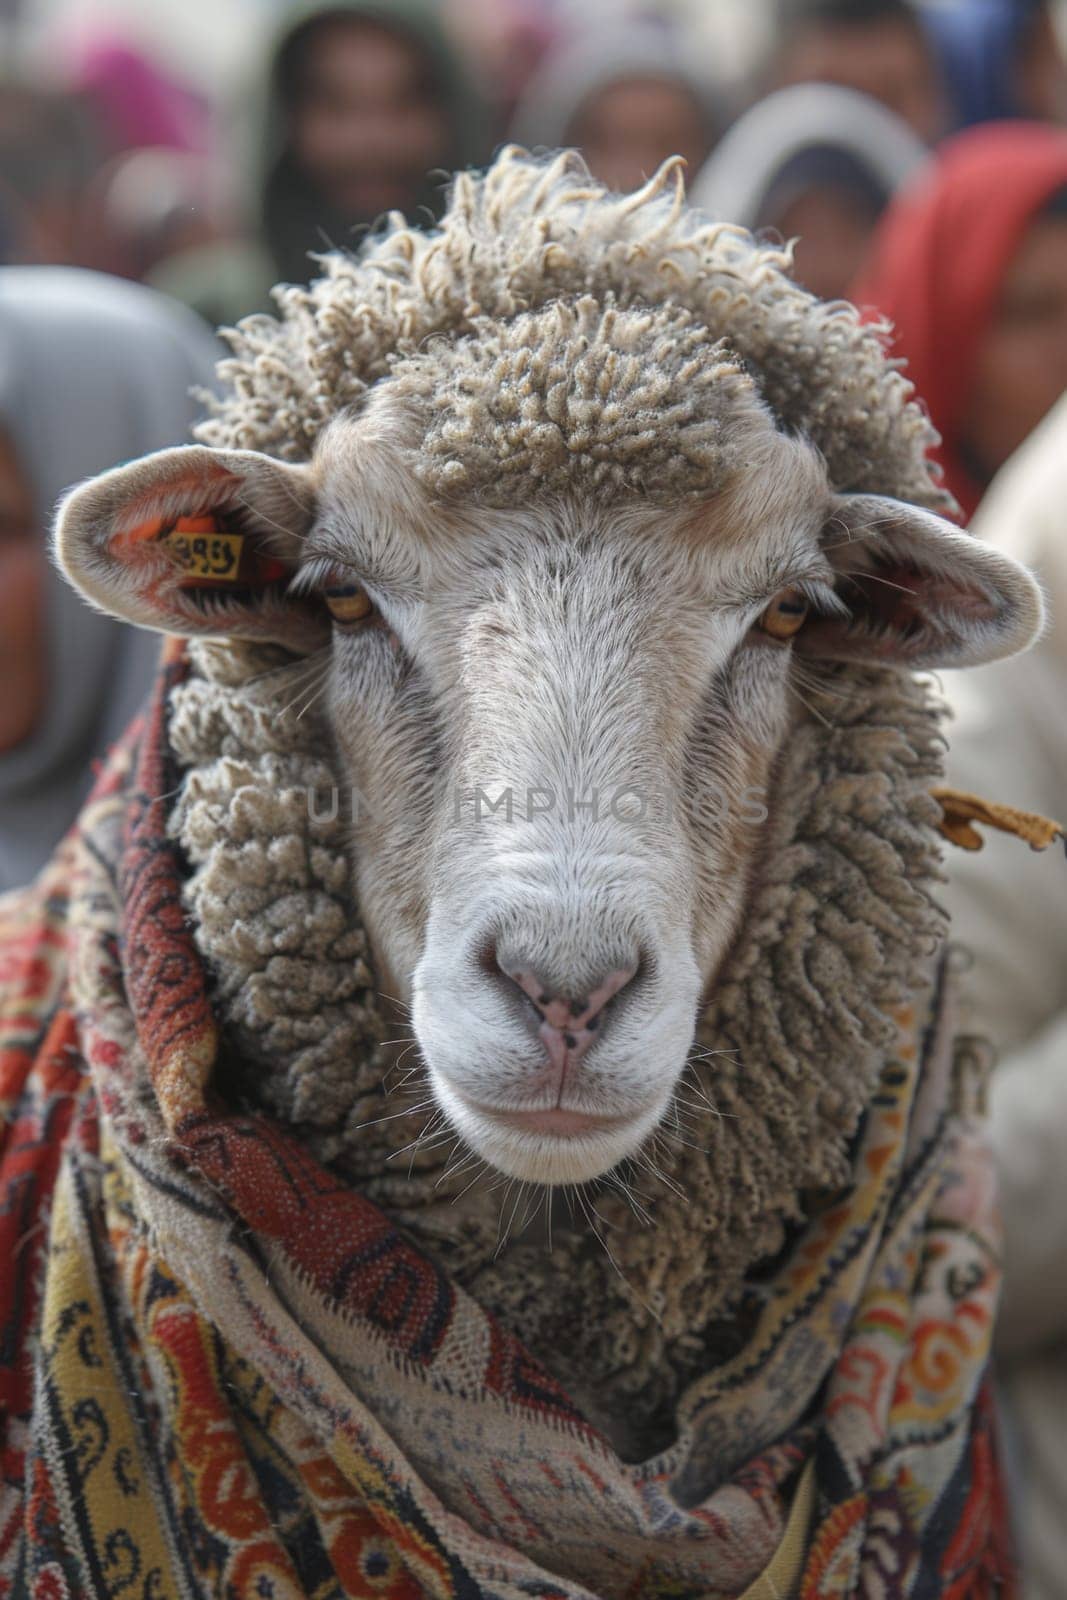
[592,673]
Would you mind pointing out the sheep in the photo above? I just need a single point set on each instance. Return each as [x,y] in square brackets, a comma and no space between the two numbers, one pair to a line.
[607,557]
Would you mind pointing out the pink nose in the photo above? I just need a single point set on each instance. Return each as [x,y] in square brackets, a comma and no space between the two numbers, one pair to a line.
[568,1025]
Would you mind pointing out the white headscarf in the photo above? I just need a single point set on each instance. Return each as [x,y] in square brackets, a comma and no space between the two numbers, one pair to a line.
[734,183]
[93,371]
[596,59]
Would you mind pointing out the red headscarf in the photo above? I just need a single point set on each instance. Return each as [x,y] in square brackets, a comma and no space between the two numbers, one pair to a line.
[940,256]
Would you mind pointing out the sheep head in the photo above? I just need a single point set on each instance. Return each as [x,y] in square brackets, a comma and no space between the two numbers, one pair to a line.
[569,575]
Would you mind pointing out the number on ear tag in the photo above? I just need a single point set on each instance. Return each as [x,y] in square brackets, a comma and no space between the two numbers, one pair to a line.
[203,551]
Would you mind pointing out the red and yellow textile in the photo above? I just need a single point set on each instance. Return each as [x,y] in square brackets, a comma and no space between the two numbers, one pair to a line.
[225,1373]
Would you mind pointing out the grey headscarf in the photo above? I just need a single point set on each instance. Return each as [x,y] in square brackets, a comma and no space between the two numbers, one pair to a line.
[735,184]
[594,60]
[93,371]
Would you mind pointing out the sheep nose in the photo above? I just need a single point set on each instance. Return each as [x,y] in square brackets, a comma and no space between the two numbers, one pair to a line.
[569,1023]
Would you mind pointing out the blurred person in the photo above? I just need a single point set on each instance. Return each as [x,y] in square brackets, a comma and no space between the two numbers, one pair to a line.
[62,149]
[627,98]
[815,163]
[878,47]
[367,108]
[136,103]
[507,38]
[150,205]
[93,371]
[1008,740]
[9,227]
[998,59]
[49,150]
[970,265]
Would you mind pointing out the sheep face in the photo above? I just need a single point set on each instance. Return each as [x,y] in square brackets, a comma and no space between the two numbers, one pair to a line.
[561,664]
[560,724]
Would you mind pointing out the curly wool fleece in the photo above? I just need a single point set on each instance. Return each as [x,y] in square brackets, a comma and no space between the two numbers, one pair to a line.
[578,398]
[529,234]
[840,926]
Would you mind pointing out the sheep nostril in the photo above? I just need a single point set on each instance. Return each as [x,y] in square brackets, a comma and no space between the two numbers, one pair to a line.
[566,1019]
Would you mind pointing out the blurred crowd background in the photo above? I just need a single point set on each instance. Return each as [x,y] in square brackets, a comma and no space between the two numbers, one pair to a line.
[207,145]
[163,164]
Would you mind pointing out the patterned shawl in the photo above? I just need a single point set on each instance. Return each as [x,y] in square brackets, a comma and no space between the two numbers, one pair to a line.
[225,1372]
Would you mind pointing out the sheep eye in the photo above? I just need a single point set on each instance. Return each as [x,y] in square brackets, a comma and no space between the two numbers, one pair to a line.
[348,603]
[786,614]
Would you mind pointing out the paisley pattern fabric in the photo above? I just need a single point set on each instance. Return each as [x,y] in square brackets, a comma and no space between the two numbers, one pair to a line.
[225,1372]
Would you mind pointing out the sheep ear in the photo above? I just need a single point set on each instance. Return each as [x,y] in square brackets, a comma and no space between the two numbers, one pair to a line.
[919,592]
[195,541]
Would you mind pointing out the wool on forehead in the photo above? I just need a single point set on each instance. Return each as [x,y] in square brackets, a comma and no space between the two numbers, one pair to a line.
[528,233]
[579,397]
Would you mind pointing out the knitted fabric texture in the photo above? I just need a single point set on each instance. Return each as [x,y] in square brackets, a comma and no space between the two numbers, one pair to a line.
[224,1370]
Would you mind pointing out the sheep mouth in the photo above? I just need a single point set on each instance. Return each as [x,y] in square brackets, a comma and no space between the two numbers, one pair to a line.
[555,1121]
[553,1145]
